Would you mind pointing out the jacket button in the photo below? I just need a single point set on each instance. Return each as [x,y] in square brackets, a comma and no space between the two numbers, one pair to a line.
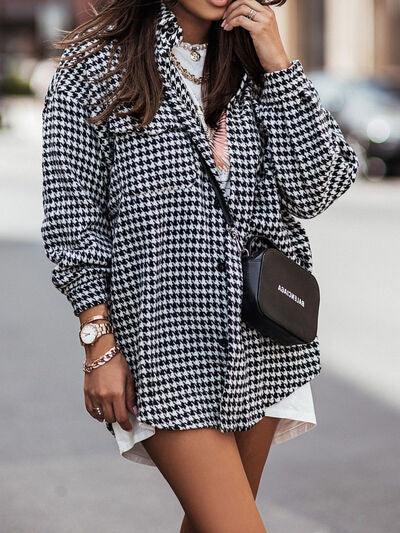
[216,203]
[223,341]
[221,265]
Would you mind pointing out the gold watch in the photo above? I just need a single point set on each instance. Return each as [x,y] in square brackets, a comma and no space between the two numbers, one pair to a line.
[90,332]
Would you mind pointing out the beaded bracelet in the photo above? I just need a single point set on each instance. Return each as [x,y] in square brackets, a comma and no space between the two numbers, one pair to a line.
[88,367]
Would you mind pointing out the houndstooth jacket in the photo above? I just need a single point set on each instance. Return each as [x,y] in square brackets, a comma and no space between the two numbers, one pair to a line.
[131,220]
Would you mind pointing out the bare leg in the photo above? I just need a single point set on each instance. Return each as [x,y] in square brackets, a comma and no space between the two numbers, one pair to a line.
[186,526]
[254,445]
[205,471]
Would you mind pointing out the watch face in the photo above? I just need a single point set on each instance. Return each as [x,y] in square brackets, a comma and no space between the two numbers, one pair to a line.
[88,333]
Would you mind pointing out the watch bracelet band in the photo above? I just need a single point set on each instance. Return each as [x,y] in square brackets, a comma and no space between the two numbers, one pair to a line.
[88,367]
[104,328]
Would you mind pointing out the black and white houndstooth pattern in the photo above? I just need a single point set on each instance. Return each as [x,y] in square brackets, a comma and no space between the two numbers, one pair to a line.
[131,220]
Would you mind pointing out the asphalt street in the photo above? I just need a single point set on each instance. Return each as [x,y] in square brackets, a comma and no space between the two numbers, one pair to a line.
[60,471]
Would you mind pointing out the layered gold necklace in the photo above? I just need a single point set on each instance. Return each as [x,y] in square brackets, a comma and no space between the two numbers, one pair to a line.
[198,80]
[216,136]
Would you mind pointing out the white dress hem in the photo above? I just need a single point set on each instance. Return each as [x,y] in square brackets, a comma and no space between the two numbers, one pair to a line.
[294,421]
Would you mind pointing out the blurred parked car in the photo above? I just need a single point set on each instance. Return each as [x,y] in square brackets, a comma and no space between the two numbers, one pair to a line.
[368,111]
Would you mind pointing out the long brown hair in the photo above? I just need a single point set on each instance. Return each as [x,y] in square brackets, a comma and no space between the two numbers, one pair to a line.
[129,26]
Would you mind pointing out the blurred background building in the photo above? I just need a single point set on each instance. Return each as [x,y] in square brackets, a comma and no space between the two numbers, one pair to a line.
[351,49]
[353,37]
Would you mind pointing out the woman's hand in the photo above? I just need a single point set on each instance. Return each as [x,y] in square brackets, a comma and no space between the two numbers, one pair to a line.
[263,29]
[109,386]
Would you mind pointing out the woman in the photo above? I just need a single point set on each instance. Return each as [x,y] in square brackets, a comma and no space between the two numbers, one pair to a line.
[145,91]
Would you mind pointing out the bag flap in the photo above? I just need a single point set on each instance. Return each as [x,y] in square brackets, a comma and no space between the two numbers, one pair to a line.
[288,295]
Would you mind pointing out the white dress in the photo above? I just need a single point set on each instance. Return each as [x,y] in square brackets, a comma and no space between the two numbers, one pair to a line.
[296,412]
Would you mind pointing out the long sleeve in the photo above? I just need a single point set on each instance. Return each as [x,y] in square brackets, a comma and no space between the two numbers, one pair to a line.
[75,229]
[314,164]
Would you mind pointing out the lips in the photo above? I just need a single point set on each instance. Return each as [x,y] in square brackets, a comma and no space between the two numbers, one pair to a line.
[219,3]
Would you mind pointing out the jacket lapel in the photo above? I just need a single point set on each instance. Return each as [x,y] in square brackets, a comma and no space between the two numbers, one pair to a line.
[168,34]
[243,135]
[180,100]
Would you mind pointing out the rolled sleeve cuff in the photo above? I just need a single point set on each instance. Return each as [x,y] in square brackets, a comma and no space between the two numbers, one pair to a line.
[288,85]
[88,293]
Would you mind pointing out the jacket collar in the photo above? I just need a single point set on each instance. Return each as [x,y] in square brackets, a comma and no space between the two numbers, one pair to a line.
[168,34]
[168,30]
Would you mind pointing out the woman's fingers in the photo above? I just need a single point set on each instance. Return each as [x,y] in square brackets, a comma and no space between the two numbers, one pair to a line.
[91,408]
[263,28]
[242,21]
[113,408]
[237,15]
[107,406]
[111,388]
[121,412]
[130,394]
[251,4]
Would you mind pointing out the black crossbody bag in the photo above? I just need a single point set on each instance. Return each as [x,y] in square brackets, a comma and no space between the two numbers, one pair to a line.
[280,298]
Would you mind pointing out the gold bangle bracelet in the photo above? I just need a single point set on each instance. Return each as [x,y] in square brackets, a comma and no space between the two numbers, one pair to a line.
[93,318]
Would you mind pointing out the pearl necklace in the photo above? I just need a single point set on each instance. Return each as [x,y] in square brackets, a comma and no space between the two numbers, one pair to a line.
[194,54]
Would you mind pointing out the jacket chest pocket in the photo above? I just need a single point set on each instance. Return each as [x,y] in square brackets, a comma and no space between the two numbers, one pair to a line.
[153,159]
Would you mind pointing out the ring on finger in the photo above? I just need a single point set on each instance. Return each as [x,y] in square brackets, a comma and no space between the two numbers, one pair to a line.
[99,411]
[251,14]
